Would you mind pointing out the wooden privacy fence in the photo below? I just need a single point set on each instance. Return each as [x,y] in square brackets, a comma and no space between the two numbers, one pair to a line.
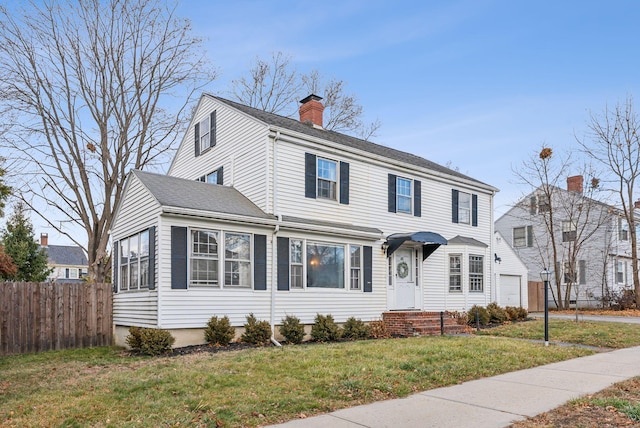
[44,316]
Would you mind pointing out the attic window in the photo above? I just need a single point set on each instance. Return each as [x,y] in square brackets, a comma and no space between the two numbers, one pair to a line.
[205,134]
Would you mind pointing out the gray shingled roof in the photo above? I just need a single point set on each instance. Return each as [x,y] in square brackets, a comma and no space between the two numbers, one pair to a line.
[467,241]
[181,193]
[66,255]
[345,140]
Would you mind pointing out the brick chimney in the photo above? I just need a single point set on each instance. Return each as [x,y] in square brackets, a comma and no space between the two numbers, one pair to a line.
[44,239]
[311,110]
[575,184]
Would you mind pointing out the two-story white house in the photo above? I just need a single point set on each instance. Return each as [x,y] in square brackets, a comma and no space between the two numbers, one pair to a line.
[599,266]
[265,214]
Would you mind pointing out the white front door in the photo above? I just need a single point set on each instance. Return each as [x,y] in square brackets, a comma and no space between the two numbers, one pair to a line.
[405,273]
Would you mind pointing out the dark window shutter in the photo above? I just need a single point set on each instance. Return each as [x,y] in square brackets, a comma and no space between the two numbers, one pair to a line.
[116,265]
[533,202]
[529,236]
[392,193]
[259,262]
[474,210]
[197,134]
[212,135]
[417,198]
[203,179]
[178,257]
[283,263]
[344,183]
[454,205]
[152,258]
[582,267]
[368,269]
[220,175]
[310,175]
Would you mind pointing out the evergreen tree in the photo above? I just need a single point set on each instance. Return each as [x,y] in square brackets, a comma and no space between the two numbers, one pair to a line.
[5,191]
[19,242]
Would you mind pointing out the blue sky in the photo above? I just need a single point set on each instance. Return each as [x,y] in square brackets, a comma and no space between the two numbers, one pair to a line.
[477,84]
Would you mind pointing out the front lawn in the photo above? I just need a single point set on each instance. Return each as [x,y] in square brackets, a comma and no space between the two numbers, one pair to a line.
[106,387]
[601,334]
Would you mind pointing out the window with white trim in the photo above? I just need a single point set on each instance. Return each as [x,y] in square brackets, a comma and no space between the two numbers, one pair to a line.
[620,269]
[204,258]
[237,259]
[325,265]
[519,237]
[476,273]
[327,179]
[355,276]
[134,262]
[205,134]
[623,230]
[296,264]
[455,273]
[570,273]
[403,195]
[569,231]
[464,208]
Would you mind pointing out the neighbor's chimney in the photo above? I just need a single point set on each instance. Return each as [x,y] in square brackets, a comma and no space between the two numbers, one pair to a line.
[44,239]
[575,184]
[311,110]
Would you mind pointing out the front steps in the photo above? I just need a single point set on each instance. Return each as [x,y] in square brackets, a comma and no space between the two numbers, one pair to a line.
[420,323]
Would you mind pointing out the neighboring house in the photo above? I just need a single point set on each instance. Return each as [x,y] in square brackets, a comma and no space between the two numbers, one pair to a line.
[603,263]
[69,263]
[511,275]
[265,214]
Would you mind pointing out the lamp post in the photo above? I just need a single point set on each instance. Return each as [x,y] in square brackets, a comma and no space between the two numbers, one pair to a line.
[545,274]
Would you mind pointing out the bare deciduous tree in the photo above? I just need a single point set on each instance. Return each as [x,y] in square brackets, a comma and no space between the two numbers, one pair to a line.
[276,86]
[569,218]
[614,141]
[92,89]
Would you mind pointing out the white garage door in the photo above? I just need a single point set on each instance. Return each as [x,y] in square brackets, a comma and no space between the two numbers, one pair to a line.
[510,290]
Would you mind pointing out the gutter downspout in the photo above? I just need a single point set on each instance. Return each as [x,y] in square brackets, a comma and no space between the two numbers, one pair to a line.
[274,253]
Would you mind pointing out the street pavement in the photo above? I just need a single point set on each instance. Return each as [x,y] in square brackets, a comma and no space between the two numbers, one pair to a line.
[495,401]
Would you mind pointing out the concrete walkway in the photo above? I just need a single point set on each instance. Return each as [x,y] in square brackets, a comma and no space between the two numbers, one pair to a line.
[490,402]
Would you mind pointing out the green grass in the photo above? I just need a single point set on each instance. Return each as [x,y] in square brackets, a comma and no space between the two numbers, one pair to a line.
[104,387]
[601,334]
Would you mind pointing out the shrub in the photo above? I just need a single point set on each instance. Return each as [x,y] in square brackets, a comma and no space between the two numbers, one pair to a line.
[483,315]
[523,314]
[292,329]
[219,331]
[256,332]
[462,318]
[379,330]
[497,314]
[325,329]
[355,329]
[512,313]
[149,341]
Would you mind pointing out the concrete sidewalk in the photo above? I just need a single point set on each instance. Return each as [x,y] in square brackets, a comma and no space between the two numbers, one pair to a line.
[490,402]
[584,317]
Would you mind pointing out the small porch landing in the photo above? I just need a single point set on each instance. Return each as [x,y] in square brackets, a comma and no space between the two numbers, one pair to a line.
[421,323]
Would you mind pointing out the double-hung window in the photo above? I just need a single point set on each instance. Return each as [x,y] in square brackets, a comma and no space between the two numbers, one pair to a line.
[355,276]
[464,208]
[620,268]
[455,272]
[476,273]
[205,134]
[325,265]
[134,262]
[403,195]
[569,231]
[204,258]
[570,273]
[237,259]
[327,179]
[623,230]
[295,260]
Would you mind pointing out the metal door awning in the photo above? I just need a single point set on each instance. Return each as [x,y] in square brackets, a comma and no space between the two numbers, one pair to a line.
[430,242]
